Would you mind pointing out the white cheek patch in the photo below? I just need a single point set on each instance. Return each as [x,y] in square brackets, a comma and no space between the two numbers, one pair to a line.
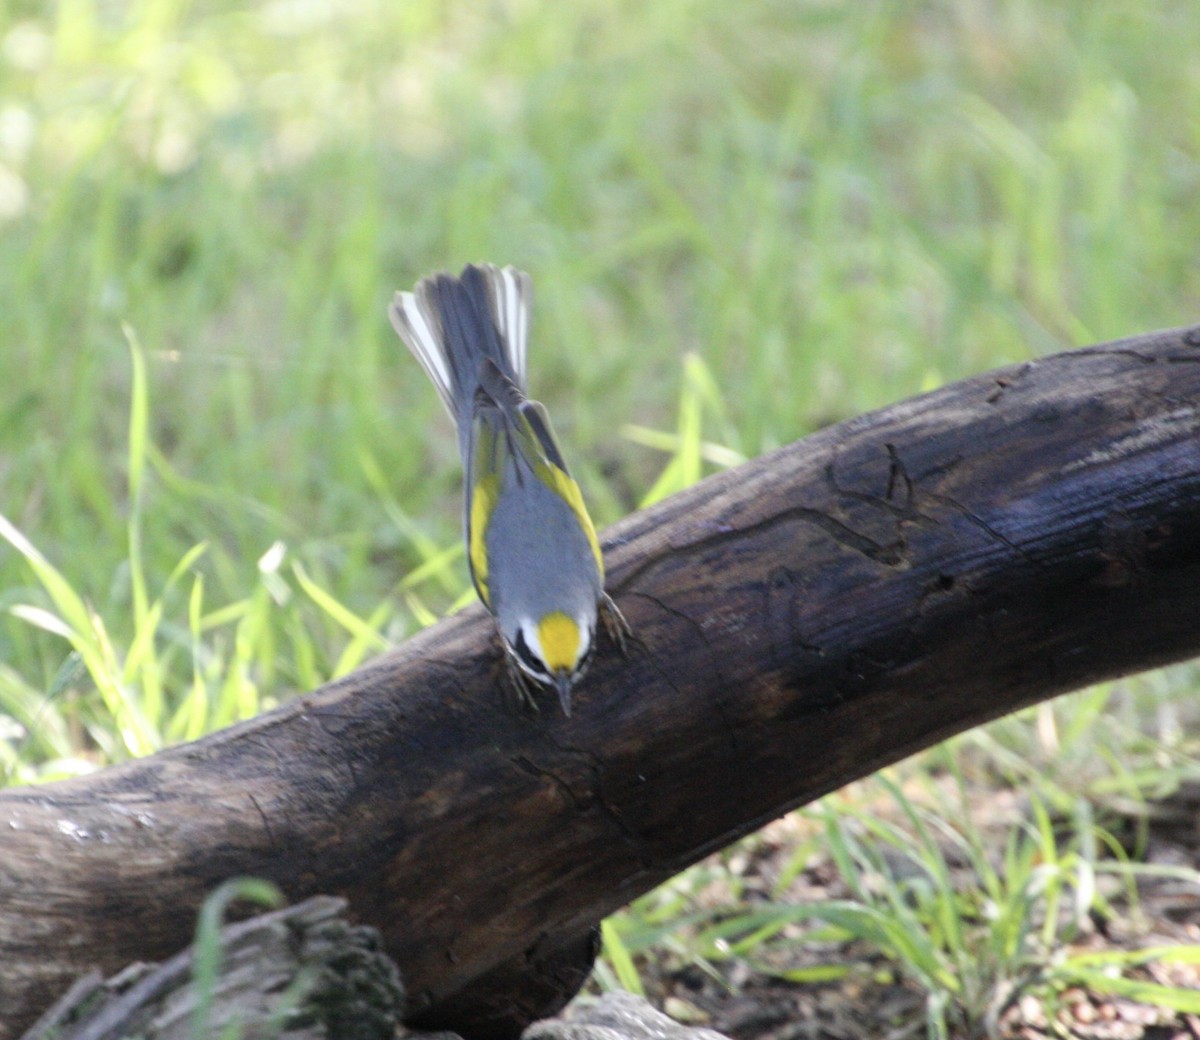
[530,632]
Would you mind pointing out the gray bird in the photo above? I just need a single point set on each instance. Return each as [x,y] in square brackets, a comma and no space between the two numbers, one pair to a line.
[531,546]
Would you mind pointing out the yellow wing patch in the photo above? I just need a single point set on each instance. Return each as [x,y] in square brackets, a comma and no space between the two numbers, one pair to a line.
[483,501]
[559,638]
[566,489]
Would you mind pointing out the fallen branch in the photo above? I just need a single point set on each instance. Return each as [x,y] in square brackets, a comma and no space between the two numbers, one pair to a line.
[800,621]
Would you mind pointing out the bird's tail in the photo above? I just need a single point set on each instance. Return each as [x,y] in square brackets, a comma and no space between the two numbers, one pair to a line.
[453,324]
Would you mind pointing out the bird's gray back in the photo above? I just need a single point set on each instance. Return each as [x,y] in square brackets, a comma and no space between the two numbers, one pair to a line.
[539,557]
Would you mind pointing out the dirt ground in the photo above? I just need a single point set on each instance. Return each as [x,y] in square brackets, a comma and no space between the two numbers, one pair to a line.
[872,1001]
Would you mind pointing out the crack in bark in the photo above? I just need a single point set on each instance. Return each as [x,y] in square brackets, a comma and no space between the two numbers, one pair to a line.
[897,471]
[891,554]
[1119,352]
[596,770]
[523,763]
[781,609]
[272,845]
[979,522]
[1006,382]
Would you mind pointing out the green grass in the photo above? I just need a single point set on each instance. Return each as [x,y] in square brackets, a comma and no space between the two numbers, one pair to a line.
[223,484]
[973,915]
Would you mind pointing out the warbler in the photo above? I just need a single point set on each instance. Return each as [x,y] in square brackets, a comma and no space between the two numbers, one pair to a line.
[531,546]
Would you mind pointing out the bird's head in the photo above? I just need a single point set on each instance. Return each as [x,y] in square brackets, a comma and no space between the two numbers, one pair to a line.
[554,649]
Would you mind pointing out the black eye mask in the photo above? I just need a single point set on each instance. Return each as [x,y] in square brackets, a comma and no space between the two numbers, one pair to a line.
[527,657]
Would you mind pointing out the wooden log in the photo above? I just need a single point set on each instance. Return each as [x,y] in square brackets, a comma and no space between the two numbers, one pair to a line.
[800,622]
[300,973]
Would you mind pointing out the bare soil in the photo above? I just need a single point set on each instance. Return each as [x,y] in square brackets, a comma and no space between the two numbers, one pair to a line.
[872,999]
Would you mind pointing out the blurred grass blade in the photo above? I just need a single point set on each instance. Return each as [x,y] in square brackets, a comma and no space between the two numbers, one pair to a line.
[206,948]
[359,628]
[614,948]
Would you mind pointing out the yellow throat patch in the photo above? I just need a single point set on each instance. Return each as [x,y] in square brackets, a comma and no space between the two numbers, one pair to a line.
[559,638]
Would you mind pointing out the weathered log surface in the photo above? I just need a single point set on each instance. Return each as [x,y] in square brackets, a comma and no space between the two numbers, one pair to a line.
[301,973]
[801,621]
[616,1015]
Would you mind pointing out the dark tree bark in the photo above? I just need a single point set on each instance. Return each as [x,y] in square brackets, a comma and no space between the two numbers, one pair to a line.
[800,621]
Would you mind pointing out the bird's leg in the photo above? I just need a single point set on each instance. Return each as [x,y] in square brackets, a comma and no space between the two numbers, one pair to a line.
[614,622]
[517,677]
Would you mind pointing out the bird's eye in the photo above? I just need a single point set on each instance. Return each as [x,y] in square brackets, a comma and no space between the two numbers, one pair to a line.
[527,656]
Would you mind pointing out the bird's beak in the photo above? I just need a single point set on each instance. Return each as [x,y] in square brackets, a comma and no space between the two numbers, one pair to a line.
[562,683]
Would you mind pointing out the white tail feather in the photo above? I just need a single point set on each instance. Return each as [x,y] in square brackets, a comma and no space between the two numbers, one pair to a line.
[416,321]
[412,325]
[512,291]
